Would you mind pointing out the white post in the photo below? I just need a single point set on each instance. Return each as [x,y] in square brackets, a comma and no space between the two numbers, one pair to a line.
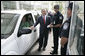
[17,5]
[2,6]
[22,6]
[66,5]
[49,5]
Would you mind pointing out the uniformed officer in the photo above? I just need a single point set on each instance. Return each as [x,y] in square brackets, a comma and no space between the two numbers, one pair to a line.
[56,24]
[65,30]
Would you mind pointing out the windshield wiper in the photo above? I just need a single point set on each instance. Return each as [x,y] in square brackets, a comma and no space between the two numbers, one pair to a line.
[2,36]
[5,34]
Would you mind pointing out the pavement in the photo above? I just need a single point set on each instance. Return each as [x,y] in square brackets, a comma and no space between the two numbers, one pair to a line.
[33,50]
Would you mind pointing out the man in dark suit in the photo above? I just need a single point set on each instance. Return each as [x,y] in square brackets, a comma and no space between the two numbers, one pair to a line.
[44,21]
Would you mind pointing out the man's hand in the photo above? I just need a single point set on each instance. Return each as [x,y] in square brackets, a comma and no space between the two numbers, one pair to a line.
[32,27]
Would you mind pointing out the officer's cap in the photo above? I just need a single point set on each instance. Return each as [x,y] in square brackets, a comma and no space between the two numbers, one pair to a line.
[70,5]
[56,6]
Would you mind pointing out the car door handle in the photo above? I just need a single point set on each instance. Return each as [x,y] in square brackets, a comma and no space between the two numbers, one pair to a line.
[35,30]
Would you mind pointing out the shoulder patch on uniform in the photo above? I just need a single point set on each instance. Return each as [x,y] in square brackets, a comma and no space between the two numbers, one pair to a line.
[60,17]
[65,26]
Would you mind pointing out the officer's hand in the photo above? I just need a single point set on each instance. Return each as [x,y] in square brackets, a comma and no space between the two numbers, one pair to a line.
[32,27]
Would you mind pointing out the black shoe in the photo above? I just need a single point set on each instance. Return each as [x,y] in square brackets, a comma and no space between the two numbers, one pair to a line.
[39,49]
[52,47]
[53,52]
[43,49]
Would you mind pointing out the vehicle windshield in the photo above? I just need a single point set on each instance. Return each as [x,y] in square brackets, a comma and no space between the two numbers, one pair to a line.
[8,23]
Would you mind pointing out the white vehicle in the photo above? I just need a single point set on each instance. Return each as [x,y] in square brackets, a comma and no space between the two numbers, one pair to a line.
[14,40]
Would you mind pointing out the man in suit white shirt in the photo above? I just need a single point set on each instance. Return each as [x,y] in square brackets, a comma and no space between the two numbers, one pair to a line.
[44,21]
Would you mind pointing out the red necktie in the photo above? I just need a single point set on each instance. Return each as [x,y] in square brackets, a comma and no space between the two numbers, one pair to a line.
[44,19]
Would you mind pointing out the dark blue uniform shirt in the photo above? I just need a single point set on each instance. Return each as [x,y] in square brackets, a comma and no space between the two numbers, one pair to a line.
[58,18]
[65,28]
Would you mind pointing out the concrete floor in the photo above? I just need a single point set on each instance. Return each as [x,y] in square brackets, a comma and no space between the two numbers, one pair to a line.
[34,51]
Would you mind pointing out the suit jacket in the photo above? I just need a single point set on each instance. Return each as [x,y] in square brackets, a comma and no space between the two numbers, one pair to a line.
[43,27]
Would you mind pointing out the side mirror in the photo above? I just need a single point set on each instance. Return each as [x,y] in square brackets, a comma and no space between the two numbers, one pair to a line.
[24,31]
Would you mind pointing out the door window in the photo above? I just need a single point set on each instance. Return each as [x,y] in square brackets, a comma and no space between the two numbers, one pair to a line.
[27,21]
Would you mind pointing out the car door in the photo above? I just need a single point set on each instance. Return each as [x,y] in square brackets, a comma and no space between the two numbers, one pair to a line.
[33,35]
[25,40]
